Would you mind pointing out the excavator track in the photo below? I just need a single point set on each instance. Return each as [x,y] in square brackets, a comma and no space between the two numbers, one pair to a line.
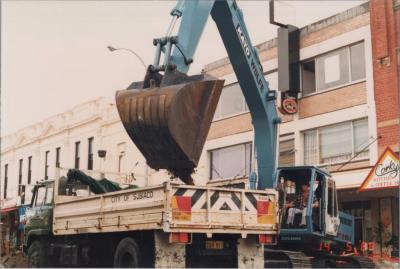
[286,259]
[297,259]
[330,260]
[362,262]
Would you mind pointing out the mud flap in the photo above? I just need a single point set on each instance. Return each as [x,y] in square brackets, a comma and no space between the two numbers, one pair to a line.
[168,255]
[250,253]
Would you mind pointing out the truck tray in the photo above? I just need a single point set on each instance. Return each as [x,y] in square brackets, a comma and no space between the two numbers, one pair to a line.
[169,207]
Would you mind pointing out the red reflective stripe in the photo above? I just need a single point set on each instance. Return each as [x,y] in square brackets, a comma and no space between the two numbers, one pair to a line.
[183,237]
[179,238]
[265,238]
[262,207]
[174,237]
[184,203]
[262,212]
[262,238]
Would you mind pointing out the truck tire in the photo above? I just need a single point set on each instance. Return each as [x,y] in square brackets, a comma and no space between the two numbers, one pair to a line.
[37,256]
[127,254]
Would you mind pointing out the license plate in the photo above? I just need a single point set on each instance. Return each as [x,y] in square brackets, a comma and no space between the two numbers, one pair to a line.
[214,244]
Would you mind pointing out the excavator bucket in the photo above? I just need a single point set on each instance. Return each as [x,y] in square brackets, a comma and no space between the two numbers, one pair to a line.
[169,124]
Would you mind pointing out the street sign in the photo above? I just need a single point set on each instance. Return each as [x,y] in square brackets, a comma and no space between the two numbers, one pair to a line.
[385,173]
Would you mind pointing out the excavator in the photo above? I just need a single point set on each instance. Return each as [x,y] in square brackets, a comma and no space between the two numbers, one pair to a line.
[169,113]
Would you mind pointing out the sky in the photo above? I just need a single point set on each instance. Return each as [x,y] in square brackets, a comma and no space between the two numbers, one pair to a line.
[54,53]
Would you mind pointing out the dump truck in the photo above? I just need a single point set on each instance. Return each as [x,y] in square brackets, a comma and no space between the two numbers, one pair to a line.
[167,225]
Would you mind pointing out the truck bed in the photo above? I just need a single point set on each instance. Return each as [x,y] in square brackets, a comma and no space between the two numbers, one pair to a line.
[171,208]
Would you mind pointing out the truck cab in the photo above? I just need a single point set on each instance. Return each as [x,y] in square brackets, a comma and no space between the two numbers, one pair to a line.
[39,219]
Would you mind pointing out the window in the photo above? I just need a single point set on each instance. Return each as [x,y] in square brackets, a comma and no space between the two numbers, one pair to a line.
[58,151]
[20,173]
[90,154]
[361,211]
[308,77]
[272,79]
[120,160]
[29,170]
[286,150]
[21,191]
[49,195]
[336,143]
[231,102]
[77,145]
[333,69]
[231,161]
[46,165]
[332,201]
[357,61]
[5,180]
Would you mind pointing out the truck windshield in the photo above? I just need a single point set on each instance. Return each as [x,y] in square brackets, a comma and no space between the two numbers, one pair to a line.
[40,194]
[49,195]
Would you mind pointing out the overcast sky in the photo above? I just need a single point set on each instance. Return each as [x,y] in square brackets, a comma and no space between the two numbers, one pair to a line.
[54,56]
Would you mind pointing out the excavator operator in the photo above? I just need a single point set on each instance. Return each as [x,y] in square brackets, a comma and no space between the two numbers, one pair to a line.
[299,205]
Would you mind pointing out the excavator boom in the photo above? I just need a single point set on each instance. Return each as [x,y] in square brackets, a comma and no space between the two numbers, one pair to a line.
[169,114]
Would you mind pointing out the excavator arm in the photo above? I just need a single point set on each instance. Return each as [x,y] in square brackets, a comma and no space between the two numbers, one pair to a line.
[168,115]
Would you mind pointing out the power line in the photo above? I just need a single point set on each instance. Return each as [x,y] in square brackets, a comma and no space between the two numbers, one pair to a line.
[358,153]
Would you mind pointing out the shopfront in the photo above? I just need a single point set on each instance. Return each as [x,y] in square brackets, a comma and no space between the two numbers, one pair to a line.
[8,225]
[375,207]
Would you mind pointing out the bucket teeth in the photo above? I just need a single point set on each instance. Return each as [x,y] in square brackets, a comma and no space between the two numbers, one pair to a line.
[169,125]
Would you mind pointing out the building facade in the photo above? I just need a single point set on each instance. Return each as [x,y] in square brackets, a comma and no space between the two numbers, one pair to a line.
[347,115]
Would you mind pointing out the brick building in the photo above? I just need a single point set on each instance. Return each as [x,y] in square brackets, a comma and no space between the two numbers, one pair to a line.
[348,112]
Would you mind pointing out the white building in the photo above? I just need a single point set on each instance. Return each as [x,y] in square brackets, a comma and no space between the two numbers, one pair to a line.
[70,140]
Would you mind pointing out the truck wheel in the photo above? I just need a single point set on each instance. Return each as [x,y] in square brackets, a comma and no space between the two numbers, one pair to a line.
[127,254]
[36,255]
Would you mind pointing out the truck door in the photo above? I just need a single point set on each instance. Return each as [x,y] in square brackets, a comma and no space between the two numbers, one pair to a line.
[331,213]
[318,211]
[40,213]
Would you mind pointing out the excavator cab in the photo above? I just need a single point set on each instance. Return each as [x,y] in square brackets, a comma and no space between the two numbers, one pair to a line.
[168,118]
[308,204]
